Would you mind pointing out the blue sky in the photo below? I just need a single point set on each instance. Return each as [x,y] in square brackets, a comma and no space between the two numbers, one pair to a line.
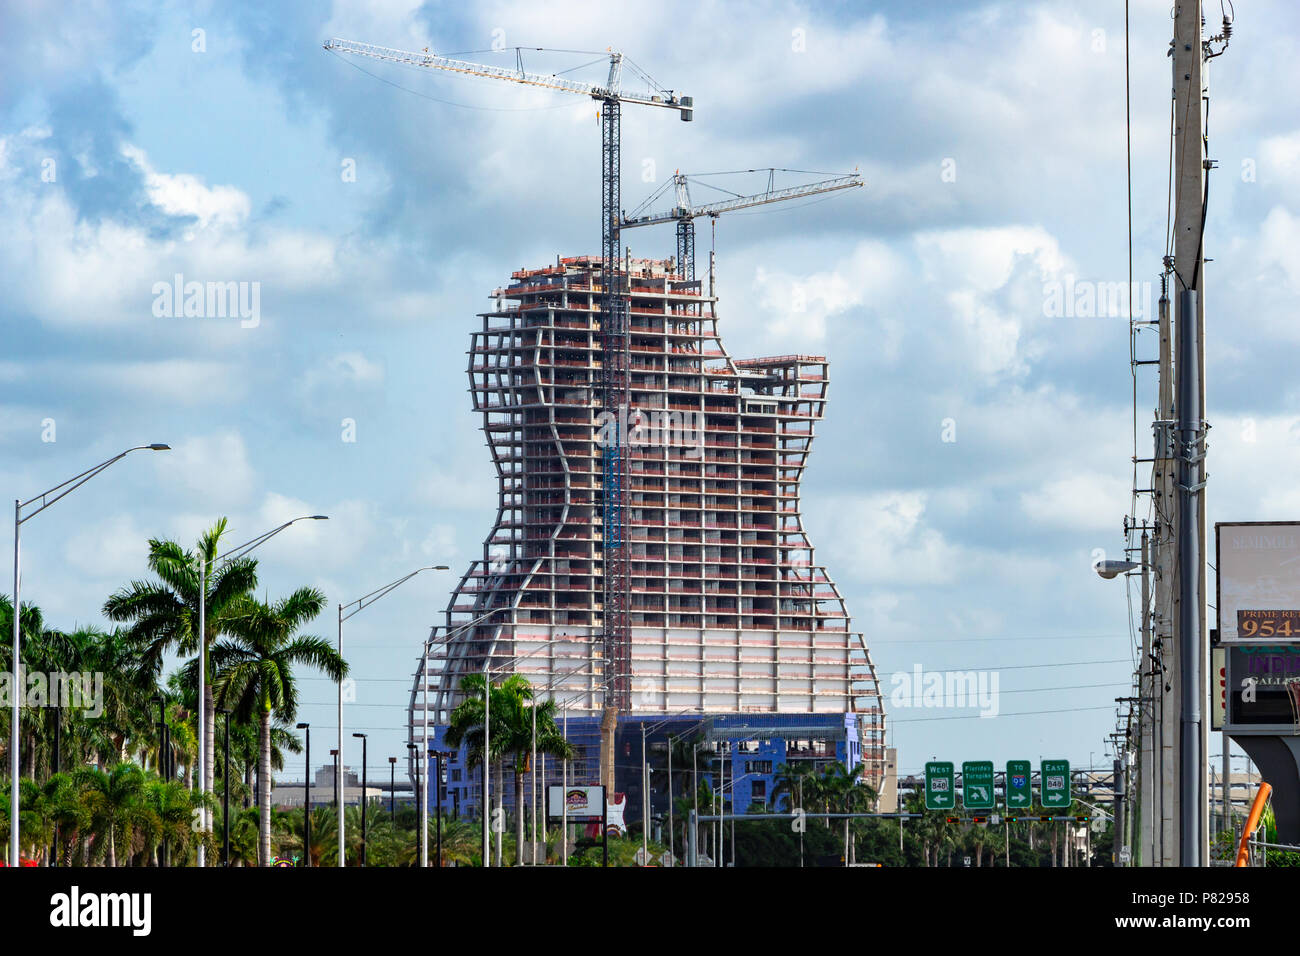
[220,155]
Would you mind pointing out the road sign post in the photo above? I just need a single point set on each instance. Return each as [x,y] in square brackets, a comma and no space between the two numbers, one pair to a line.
[977,784]
[1055,784]
[1019,792]
[940,792]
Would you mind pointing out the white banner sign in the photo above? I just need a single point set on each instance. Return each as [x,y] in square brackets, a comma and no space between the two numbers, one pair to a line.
[1258,582]
[583,803]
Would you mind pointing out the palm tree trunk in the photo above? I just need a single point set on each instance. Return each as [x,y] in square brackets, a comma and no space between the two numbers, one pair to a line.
[519,817]
[264,790]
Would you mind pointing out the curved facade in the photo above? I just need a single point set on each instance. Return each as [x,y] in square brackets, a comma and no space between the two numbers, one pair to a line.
[730,612]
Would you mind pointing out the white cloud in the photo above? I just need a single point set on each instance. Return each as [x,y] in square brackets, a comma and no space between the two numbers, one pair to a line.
[887,540]
[106,548]
[186,195]
[346,371]
[181,381]
[213,467]
[1083,502]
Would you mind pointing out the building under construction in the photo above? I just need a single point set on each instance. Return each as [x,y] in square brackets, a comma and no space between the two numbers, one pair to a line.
[735,634]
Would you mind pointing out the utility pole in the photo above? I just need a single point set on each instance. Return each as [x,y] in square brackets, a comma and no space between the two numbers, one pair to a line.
[1117,824]
[1189,371]
[1147,698]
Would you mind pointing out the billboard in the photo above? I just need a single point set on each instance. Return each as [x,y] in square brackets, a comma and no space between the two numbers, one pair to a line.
[582,804]
[1263,688]
[1258,566]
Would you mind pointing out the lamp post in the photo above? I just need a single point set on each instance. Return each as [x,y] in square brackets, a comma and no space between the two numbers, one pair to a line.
[392,786]
[437,799]
[1151,782]
[335,755]
[419,790]
[424,682]
[225,796]
[45,499]
[352,608]
[306,799]
[364,801]
[487,722]
[231,555]
[647,808]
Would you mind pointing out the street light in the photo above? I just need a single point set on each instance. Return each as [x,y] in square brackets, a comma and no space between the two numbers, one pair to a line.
[487,722]
[46,499]
[392,786]
[419,790]
[306,799]
[364,801]
[1151,789]
[437,799]
[357,606]
[231,555]
[225,796]
[1113,569]
[424,683]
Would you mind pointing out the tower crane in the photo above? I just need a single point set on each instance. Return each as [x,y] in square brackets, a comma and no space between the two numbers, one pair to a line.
[615,378]
[685,214]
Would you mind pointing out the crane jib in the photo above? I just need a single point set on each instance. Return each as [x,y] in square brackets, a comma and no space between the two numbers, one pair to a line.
[665,99]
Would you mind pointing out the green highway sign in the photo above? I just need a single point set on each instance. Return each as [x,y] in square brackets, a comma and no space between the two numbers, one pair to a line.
[1055,785]
[940,792]
[977,784]
[1020,792]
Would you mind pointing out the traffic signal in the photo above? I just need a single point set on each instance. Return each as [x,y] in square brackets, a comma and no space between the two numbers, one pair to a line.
[953,819]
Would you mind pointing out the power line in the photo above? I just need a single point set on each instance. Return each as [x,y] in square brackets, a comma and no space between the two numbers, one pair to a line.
[1018,713]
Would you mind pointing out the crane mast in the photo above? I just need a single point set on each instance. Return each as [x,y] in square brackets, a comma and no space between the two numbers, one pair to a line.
[615,344]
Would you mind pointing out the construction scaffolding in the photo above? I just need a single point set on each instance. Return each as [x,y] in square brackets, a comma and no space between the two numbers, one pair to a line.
[729,613]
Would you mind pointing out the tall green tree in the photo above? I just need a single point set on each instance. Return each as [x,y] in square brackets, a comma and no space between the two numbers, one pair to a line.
[114,802]
[255,674]
[513,710]
[163,613]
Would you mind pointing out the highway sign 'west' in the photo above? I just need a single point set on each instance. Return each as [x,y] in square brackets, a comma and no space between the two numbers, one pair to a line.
[940,793]
[977,784]
[1055,784]
[1020,795]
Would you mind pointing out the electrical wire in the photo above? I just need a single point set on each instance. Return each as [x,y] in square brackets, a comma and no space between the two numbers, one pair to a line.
[1017,713]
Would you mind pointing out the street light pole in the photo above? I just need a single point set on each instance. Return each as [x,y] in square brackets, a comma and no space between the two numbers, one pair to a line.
[46,499]
[364,800]
[232,554]
[353,608]
[306,798]
[225,797]
[437,801]
[420,797]
[392,786]
[645,799]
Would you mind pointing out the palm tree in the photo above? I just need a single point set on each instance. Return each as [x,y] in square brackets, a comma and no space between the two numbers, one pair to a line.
[255,679]
[793,781]
[113,800]
[513,712]
[164,613]
[167,821]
